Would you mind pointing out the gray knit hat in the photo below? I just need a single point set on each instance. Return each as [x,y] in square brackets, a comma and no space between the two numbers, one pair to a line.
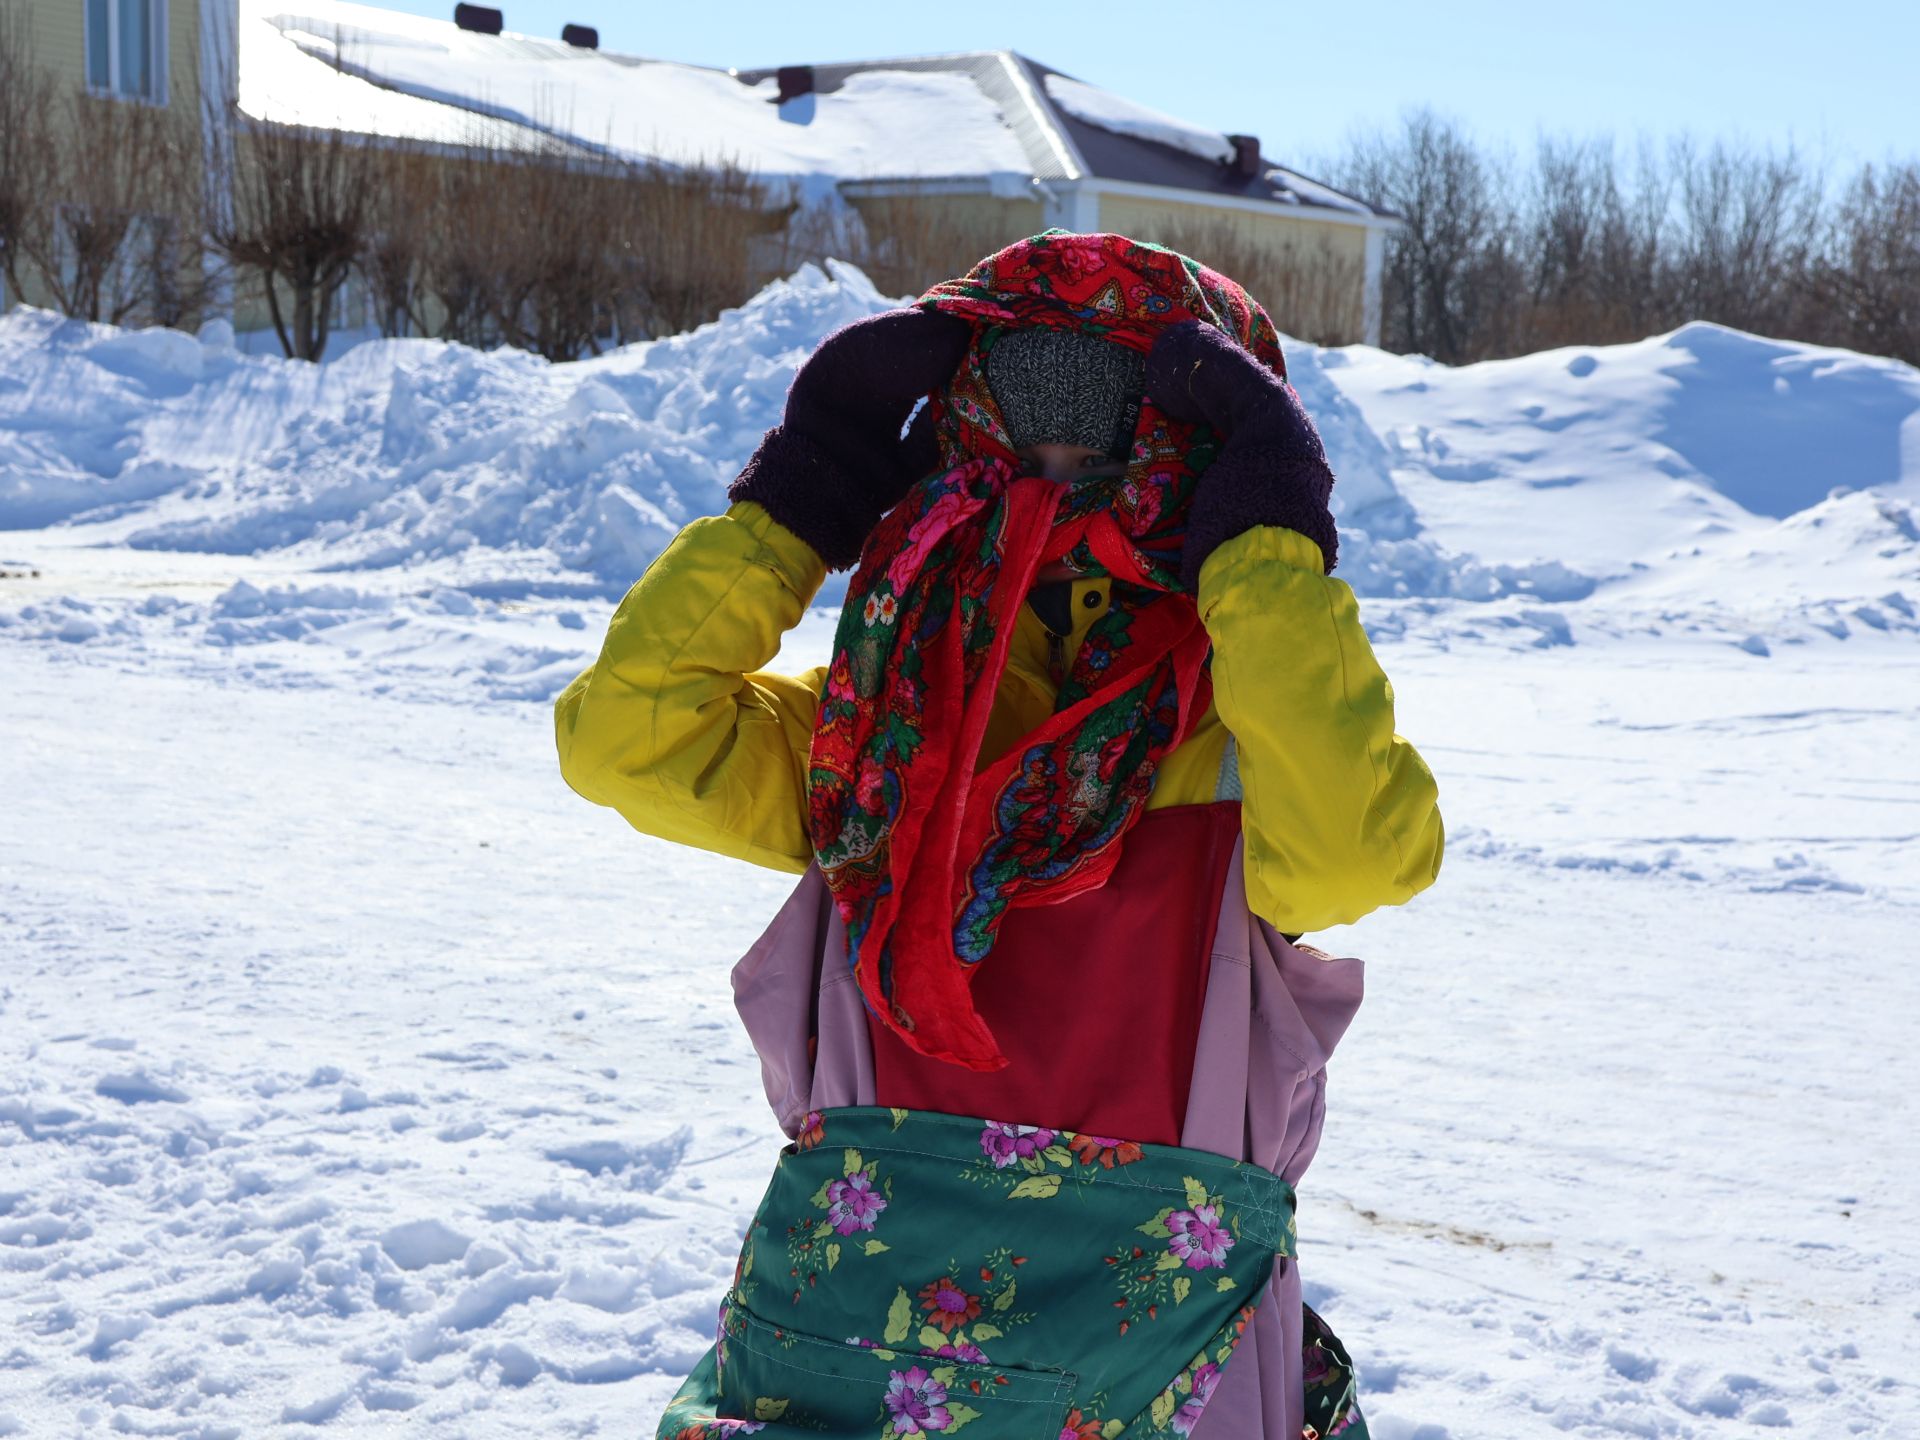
[1062,387]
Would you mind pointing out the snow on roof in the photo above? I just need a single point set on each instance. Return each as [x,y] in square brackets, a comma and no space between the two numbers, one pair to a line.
[1313,192]
[990,115]
[1122,116]
[289,78]
[880,124]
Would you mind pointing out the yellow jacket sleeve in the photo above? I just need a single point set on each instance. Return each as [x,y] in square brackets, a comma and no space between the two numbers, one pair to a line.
[1340,815]
[676,725]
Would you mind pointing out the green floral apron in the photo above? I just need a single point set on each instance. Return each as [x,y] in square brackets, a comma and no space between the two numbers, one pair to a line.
[911,1272]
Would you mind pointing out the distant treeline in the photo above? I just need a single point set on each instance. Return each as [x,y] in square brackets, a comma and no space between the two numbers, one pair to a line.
[1585,244]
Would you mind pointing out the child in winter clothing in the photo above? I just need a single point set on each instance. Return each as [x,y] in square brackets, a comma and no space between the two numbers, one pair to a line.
[1097,737]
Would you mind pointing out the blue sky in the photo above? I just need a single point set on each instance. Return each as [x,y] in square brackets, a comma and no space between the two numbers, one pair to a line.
[1835,77]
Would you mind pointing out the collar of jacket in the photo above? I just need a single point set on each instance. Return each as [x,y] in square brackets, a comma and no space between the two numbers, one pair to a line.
[1031,650]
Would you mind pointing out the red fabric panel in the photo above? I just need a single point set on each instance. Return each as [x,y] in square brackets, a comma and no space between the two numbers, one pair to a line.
[1095,1001]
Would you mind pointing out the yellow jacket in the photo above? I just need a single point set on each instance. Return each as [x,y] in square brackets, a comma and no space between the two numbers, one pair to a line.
[679,728]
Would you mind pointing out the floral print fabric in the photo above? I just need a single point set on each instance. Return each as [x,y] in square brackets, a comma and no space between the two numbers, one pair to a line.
[924,856]
[912,1273]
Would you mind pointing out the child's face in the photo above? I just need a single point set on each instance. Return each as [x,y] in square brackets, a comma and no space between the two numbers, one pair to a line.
[1063,464]
[1066,463]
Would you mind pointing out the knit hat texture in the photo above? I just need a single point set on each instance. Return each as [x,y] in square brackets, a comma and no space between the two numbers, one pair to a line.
[1057,386]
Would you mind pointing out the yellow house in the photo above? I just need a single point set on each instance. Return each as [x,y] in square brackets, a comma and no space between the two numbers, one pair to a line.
[1100,161]
[912,167]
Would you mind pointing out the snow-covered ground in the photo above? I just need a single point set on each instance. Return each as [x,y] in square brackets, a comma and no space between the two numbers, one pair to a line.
[357,1077]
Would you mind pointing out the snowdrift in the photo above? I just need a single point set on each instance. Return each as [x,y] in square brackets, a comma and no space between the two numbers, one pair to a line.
[1705,481]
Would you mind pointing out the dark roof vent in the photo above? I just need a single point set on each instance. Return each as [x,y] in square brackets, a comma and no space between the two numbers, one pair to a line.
[794,81]
[481,19]
[581,37]
[1245,164]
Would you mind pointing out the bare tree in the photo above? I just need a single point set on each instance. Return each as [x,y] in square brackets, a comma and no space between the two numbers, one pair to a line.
[1747,226]
[690,239]
[28,152]
[301,206]
[560,273]
[96,196]
[1453,200]
[1866,276]
[398,237]
[115,236]
[461,260]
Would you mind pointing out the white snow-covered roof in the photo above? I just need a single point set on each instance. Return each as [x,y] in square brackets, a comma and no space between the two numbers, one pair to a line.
[1122,116]
[991,116]
[882,123]
[287,76]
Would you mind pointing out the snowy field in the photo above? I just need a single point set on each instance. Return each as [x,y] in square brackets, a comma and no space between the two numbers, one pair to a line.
[357,1078]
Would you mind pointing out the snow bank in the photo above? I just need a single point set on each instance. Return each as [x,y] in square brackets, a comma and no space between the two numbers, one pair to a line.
[1702,483]
[401,450]
[1603,456]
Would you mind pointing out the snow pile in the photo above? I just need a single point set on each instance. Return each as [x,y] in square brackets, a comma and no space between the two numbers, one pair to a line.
[1703,483]
[887,123]
[1701,478]
[1603,456]
[1121,116]
[401,450]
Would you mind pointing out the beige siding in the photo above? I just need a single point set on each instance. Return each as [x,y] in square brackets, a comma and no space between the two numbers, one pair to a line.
[1310,275]
[57,32]
[183,55]
[56,29]
[921,240]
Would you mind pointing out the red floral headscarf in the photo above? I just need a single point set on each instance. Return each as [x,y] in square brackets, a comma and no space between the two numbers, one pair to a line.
[924,856]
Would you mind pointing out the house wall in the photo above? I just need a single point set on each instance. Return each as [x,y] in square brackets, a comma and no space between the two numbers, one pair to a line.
[55,34]
[1310,275]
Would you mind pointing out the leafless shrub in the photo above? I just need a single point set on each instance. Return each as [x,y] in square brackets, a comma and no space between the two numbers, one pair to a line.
[561,251]
[399,235]
[1585,249]
[96,196]
[693,231]
[28,155]
[1310,291]
[300,210]
[1865,278]
[906,243]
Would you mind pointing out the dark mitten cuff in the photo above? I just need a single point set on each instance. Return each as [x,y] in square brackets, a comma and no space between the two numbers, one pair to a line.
[1271,469]
[1251,484]
[837,462]
[807,490]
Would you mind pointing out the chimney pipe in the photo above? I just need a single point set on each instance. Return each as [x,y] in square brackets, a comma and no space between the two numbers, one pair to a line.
[1245,164]
[581,37]
[794,81]
[480,19]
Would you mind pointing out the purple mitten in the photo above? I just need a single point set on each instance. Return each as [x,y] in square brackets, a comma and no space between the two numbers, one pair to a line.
[1271,468]
[836,463]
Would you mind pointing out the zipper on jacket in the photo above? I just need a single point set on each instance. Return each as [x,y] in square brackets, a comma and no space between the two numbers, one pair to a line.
[1056,656]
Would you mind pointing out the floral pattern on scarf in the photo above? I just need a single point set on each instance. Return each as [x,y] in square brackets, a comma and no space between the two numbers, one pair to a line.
[923,855]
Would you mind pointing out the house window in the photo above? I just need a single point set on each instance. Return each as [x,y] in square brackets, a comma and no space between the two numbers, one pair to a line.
[127,48]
